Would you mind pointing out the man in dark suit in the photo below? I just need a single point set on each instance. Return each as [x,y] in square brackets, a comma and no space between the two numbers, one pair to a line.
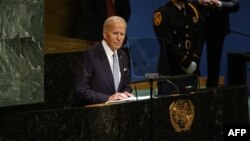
[93,13]
[217,26]
[94,80]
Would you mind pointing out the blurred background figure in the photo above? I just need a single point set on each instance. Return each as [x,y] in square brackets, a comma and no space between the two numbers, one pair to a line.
[93,13]
[217,26]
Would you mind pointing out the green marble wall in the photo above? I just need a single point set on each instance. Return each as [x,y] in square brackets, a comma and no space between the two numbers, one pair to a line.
[21,52]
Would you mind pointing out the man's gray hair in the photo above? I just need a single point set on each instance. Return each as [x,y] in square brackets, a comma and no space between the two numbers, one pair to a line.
[109,21]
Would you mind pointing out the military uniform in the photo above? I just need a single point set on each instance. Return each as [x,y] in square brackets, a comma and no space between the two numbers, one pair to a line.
[182,36]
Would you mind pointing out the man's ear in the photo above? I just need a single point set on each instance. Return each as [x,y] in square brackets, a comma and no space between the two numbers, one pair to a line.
[104,35]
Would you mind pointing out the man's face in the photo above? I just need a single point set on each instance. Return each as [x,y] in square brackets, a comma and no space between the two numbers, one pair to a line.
[115,35]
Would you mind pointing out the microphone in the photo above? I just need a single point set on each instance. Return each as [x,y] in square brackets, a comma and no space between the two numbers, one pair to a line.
[136,94]
[177,89]
[151,75]
[165,78]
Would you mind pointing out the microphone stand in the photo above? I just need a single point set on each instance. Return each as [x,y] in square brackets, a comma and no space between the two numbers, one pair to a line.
[151,77]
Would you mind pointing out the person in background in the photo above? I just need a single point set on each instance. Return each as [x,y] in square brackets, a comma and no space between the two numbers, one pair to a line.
[217,26]
[179,24]
[96,74]
[93,13]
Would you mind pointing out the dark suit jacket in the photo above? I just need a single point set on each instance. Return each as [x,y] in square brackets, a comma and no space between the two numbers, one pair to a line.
[93,13]
[94,81]
[217,19]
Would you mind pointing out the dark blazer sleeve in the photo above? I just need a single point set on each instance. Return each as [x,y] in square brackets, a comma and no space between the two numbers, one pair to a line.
[230,5]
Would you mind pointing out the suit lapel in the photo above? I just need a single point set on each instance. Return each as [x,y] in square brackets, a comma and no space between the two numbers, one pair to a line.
[122,67]
[106,66]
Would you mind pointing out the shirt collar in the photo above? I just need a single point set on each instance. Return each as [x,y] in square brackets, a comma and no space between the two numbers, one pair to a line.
[107,49]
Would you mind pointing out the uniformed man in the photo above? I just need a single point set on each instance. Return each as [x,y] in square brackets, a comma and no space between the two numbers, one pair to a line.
[180,26]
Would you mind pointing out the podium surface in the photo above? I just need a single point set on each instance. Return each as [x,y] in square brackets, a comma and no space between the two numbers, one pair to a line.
[191,117]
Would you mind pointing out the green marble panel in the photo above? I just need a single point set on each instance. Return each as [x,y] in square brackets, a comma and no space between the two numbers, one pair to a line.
[21,52]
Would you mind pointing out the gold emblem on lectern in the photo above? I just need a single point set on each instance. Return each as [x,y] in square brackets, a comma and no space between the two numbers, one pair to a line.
[181,115]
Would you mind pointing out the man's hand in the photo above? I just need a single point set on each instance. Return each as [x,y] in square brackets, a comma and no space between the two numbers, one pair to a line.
[120,96]
[210,3]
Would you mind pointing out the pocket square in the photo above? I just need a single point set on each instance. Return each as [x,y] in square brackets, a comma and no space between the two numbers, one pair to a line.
[125,69]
